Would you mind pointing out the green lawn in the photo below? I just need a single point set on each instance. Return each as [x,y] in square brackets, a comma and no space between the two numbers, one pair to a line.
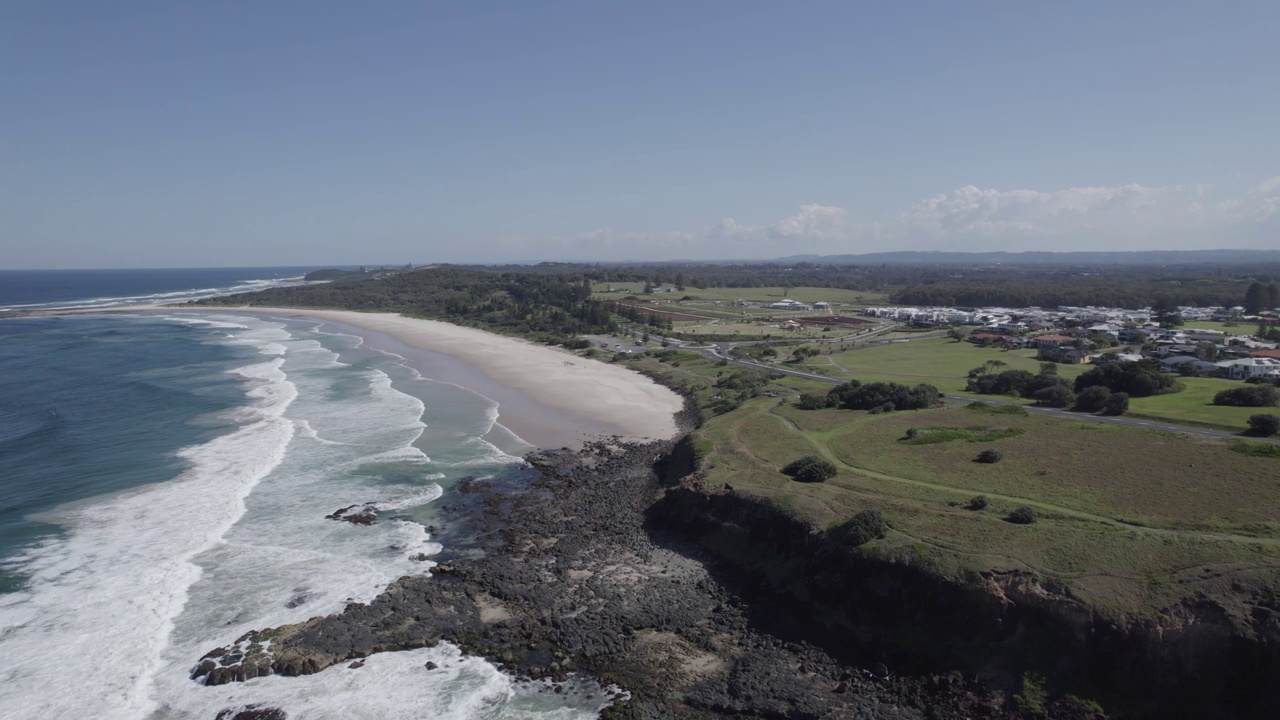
[945,364]
[941,362]
[1194,405]
[1205,507]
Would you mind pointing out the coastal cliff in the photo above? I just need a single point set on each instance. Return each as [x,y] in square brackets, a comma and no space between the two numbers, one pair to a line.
[616,563]
[1198,658]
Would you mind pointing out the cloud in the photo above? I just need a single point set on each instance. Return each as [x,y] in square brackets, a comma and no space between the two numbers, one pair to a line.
[1122,217]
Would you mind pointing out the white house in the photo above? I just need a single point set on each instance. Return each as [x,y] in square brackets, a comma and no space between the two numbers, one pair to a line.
[1245,368]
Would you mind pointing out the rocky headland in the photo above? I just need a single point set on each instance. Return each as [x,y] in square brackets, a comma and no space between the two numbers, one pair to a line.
[617,563]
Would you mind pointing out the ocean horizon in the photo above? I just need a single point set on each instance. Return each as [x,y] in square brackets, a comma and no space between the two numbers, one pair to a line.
[165,479]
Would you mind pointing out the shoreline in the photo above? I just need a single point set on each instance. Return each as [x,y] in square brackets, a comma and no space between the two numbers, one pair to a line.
[547,397]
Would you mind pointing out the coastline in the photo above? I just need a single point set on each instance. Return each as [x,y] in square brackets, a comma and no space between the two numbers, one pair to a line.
[547,397]
[586,398]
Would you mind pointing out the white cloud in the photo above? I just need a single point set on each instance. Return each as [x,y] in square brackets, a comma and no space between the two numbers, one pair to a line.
[1123,217]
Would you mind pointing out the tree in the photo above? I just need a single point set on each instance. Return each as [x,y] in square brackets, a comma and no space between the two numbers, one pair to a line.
[1264,425]
[648,288]
[680,282]
[644,338]
[989,456]
[978,503]
[1273,296]
[1256,299]
[1024,516]
[1116,404]
[956,334]
[1166,313]
[1092,399]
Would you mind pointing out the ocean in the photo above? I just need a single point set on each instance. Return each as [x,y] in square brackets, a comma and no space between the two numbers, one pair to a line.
[164,482]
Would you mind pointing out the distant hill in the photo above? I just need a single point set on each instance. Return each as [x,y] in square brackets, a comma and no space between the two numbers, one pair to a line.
[1150,257]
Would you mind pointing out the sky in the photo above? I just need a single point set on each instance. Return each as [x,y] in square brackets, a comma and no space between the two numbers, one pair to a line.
[161,134]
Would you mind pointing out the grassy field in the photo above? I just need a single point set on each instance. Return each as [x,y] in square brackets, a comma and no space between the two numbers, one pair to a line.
[945,364]
[1129,518]
[1237,329]
[941,362]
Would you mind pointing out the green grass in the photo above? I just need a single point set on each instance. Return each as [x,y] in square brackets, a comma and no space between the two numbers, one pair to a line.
[940,362]
[935,434]
[945,364]
[1194,405]
[1237,329]
[1129,518]
[1255,449]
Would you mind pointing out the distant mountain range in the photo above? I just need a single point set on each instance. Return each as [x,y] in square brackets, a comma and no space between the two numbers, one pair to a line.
[1149,257]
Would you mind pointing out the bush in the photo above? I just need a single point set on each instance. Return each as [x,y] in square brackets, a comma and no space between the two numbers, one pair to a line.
[809,401]
[1116,404]
[1264,425]
[810,468]
[989,456]
[1248,396]
[862,528]
[1055,396]
[1024,516]
[1092,399]
[978,503]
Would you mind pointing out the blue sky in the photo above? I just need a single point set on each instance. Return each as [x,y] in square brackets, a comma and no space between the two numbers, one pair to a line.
[163,134]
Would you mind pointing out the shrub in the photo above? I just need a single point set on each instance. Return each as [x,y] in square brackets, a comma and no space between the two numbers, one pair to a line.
[1024,516]
[1092,399]
[989,456]
[1248,396]
[1116,404]
[1264,425]
[809,401]
[996,409]
[1256,449]
[1056,396]
[810,468]
[862,528]
[978,503]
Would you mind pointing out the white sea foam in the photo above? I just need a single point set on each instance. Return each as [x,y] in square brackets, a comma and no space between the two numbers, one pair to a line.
[144,583]
[101,602]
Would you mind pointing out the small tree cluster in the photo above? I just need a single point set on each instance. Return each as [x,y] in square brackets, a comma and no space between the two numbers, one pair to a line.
[1264,425]
[1248,396]
[1138,379]
[978,503]
[810,468]
[989,456]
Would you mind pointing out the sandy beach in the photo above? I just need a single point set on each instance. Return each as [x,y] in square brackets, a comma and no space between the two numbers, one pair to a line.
[547,396]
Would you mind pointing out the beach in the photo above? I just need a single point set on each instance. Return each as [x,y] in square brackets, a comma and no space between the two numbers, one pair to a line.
[548,397]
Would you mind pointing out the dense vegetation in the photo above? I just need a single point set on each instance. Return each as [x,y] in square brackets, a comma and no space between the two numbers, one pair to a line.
[1136,379]
[876,397]
[556,307]
[1046,388]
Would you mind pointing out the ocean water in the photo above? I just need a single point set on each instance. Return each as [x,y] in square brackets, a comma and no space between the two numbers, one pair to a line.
[164,481]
